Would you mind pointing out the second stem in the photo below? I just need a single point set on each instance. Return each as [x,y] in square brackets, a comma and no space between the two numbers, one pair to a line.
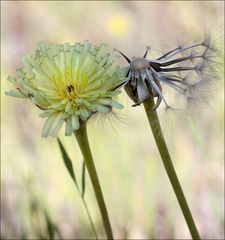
[167,162]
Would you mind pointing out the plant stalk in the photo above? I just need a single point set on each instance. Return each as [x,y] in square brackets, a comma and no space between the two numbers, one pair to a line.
[167,162]
[82,139]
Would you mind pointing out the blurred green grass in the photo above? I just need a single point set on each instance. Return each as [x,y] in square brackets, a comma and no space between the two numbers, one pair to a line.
[139,197]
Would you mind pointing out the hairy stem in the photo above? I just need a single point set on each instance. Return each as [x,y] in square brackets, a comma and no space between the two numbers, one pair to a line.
[162,147]
[82,139]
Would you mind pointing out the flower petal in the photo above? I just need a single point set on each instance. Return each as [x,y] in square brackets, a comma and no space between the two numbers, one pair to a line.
[48,125]
[69,128]
[15,94]
[75,122]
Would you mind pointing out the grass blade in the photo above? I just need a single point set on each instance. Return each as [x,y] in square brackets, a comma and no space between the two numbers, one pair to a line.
[83,180]
[50,227]
[69,166]
[67,161]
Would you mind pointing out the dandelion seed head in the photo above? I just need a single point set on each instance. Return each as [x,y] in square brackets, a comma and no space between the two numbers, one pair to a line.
[188,72]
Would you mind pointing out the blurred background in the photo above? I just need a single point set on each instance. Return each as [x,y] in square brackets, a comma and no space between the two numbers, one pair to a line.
[139,197]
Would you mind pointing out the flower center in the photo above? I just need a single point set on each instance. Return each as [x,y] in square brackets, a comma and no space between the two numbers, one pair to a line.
[70,92]
[70,88]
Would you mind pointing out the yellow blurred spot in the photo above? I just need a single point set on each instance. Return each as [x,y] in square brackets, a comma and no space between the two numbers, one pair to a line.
[117,25]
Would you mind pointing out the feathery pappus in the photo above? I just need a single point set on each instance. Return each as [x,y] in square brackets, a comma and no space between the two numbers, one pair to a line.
[189,70]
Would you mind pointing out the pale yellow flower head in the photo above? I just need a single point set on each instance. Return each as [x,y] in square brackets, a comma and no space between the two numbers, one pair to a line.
[117,25]
[69,83]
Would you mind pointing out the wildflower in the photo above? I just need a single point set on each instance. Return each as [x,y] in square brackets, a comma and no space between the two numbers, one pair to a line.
[69,83]
[117,25]
[146,77]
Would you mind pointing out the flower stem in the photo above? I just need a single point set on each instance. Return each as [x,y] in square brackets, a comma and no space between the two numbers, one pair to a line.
[161,144]
[82,139]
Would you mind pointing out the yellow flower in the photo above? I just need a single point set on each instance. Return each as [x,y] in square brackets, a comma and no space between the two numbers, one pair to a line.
[117,25]
[69,83]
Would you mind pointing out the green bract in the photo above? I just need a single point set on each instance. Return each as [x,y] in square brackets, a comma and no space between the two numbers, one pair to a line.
[69,83]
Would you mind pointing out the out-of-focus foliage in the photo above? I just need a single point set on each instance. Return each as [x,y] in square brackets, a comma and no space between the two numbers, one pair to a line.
[38,194]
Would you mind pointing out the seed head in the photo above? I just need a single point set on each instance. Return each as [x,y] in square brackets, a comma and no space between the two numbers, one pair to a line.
[189,70]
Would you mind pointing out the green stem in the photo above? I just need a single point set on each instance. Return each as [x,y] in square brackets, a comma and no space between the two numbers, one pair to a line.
[161,144]
[82,139]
